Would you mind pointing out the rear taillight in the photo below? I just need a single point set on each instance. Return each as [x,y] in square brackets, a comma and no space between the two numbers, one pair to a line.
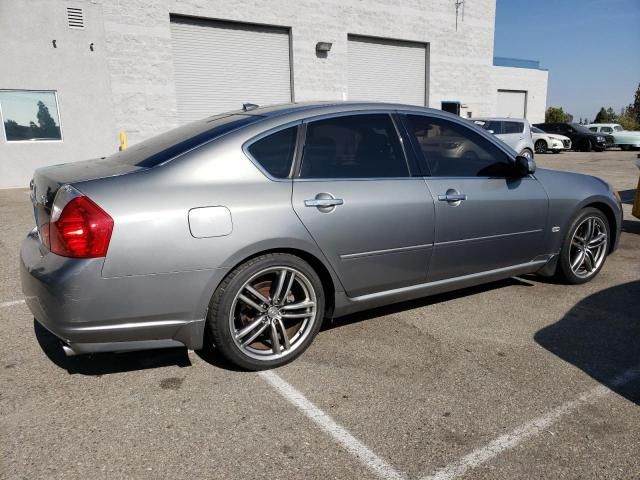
[81,230]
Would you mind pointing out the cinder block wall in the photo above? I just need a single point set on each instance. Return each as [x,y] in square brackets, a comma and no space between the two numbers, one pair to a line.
[127,82]
[139,44]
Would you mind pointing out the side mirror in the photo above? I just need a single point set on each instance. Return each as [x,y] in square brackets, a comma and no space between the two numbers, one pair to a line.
[525,166]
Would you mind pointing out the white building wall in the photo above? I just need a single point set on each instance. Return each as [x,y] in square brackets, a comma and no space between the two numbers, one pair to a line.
[533,81]
[28,60]
[139,44]
[127,82]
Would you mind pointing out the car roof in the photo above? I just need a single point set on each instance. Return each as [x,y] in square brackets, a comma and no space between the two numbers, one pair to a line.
[501,119]
[328,107]
[602,124]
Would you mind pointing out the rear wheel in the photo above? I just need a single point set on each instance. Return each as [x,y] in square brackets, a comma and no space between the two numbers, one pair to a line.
[526,153]
[585,247]
[267,311]
[540,146]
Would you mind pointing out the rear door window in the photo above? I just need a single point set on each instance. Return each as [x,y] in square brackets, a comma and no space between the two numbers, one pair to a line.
[353,146]
[274,152]
[512,127]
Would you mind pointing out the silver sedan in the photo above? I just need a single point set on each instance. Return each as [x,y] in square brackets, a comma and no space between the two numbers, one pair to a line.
[243,231]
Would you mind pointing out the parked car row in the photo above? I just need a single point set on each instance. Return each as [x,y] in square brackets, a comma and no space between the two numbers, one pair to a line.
[555,137]
[581,137]
[625,139]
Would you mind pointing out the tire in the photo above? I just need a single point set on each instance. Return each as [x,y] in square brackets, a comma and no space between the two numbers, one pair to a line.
[234,308]
[526,153]
[583,254]
[587,146]
[625,148]
[540,146]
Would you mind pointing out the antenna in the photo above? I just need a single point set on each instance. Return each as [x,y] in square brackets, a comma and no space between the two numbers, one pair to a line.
[459,11]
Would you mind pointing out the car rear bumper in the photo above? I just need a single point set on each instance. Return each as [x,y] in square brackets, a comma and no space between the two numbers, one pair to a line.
[89,313]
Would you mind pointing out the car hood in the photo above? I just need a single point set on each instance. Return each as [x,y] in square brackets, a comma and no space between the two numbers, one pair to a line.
[557,137]
[627,134]
[556,182]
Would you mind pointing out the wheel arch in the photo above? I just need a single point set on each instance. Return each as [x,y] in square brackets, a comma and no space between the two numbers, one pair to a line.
[330,282]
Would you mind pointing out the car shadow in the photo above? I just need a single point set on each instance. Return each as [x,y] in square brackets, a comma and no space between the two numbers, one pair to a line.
[107,363]
[631,226]
[601,336]
[627,196]
[422,302]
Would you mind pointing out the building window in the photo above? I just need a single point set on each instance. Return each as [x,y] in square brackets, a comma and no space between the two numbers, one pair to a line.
[30,115]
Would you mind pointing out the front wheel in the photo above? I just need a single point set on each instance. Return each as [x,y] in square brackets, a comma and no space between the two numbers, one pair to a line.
[266,312]
[540,146]
[585,247]
[587,146]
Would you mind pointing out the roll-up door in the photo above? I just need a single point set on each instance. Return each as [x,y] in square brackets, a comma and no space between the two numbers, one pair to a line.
[220,65]
[387,70]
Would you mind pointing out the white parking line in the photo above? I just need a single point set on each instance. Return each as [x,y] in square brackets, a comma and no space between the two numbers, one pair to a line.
[340,434]
[13,302]
[529,429]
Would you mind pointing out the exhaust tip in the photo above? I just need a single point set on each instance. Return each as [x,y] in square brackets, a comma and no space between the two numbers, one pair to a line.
[68,351]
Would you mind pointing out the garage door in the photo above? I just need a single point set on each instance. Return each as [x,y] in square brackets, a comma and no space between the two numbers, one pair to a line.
[387,70]
[512,103]
[219,66]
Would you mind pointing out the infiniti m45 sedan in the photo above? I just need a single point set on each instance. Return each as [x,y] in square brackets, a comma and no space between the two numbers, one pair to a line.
[243,231]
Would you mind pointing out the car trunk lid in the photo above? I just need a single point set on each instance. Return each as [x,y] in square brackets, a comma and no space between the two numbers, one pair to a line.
[47,181]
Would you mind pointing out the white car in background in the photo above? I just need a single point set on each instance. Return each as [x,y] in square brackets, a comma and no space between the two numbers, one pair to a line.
[543,141]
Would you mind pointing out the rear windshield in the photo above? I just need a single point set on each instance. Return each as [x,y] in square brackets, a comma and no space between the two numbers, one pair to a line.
[163,147]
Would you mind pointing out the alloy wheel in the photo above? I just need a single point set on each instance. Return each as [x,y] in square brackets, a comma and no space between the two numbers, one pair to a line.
[526,154]
[540,146]
[273,313]
[588,247]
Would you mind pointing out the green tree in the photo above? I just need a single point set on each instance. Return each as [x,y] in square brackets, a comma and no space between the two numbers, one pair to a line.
[633,109]
[628,122]
[606,116]
[47,125]
[556,115]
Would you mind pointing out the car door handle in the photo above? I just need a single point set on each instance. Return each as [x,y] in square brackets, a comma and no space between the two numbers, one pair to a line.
[323,202]
[452,197]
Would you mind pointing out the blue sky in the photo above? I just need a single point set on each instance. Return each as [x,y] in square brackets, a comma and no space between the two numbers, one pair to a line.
[591,48]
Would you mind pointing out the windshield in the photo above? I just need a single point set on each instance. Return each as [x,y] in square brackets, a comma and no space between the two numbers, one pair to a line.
[163,147]
[536,130]
[580,128]
[618,128]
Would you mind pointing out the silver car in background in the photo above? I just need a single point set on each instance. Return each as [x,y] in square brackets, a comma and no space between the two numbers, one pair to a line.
[515,132]
[244,231]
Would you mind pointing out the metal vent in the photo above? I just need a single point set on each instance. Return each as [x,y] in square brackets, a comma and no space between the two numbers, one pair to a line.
[75,17]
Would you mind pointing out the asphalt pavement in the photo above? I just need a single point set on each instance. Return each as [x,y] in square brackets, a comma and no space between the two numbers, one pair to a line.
[523,378]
